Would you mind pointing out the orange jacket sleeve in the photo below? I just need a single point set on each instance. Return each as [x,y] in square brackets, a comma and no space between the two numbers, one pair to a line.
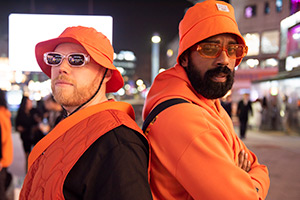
[6,138]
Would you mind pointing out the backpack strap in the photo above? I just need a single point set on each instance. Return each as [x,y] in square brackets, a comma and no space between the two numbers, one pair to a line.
[159,108]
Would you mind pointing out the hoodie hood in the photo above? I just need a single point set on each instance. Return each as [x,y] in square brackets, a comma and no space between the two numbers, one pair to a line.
[172,83]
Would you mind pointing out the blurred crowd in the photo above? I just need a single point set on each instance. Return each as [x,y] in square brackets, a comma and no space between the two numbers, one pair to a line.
[33,123]
[273,113]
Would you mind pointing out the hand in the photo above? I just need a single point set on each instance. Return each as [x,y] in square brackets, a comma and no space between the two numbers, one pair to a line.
[244,163]
[20,128]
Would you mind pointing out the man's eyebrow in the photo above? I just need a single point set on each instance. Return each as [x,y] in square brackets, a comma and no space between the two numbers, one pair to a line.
[217,41]
[211,41]
[232,42]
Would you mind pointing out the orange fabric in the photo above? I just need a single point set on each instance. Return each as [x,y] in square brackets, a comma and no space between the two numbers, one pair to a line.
[70,121]
[47,182]
[204,20]
[6,138]
[95,43]
[194,148]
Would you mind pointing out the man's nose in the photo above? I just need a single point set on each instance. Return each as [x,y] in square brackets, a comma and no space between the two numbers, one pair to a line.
[64,67]
[223,58]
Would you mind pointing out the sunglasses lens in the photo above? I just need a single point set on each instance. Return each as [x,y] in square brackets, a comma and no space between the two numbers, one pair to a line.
[76,59]
[235,51]
[209,50]
[232,50]
[240,52]
[53,59]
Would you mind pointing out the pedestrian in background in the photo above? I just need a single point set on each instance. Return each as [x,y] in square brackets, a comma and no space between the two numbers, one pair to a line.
[24,125]
[227,104]
[49,115]
[97,151]
[243,110]
[265,117]
[196,153]
[6,144]
[256,117]
[54,111]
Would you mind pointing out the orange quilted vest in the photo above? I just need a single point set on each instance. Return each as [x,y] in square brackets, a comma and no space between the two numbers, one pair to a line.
[51,164]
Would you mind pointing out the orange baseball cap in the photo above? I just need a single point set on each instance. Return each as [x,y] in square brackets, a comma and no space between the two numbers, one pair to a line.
[206,19]
[95,43]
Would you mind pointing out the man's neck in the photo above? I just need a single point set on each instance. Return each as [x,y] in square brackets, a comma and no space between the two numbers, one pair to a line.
[95,101]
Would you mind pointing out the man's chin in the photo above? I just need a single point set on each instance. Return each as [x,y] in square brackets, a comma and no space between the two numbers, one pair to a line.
[63,98]
[214,90]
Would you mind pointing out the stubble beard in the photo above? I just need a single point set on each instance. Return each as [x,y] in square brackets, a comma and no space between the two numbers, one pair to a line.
[205,86]
[75,95]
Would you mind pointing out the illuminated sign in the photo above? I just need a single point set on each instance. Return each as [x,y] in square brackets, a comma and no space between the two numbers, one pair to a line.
[293,42]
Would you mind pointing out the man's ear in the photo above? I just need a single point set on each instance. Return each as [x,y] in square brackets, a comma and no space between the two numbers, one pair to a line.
[184,61]
[108,75]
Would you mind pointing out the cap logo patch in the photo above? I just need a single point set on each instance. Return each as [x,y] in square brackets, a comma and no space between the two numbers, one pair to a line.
[222,7]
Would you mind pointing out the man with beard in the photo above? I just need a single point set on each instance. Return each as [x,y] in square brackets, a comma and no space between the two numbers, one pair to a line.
[97,151]
[195,153]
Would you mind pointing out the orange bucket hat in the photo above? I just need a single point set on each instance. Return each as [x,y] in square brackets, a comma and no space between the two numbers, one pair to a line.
[206,19]
[95,43]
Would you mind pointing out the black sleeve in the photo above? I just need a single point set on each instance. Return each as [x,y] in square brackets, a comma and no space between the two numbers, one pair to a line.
[250,107]
[114,167]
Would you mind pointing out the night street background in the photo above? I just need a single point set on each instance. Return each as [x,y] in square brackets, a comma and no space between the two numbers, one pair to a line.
[134,22]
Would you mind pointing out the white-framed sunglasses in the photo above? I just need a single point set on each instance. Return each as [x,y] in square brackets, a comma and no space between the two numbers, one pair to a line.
[74,59]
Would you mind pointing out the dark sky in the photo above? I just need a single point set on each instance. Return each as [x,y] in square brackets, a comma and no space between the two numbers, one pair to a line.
[134,21]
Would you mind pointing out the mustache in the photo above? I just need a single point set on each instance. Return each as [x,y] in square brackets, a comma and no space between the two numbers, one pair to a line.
[62,77]
[221,69]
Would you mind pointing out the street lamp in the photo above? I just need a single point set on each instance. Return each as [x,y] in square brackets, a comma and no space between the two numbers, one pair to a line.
[155,56]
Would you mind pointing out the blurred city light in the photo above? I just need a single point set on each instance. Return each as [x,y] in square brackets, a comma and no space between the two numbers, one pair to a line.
[291,63]
[19,77]
[141,87]
[155,39]
[121,70]
[274,91]
[121,92]
[252,41]
[170,52]
[296,36]
[127,87]
[252,62]
[139,82]
[161,70]
[128,55]
[271,62]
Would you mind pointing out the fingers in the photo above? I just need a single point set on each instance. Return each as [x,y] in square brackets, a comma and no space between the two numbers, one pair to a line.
[248,166]
[244,163]
[241,158]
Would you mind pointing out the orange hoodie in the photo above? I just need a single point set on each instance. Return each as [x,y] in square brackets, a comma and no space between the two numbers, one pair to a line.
[195,149]
[6,138]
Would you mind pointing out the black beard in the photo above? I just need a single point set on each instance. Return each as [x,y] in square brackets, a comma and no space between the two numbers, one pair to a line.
[206,86]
